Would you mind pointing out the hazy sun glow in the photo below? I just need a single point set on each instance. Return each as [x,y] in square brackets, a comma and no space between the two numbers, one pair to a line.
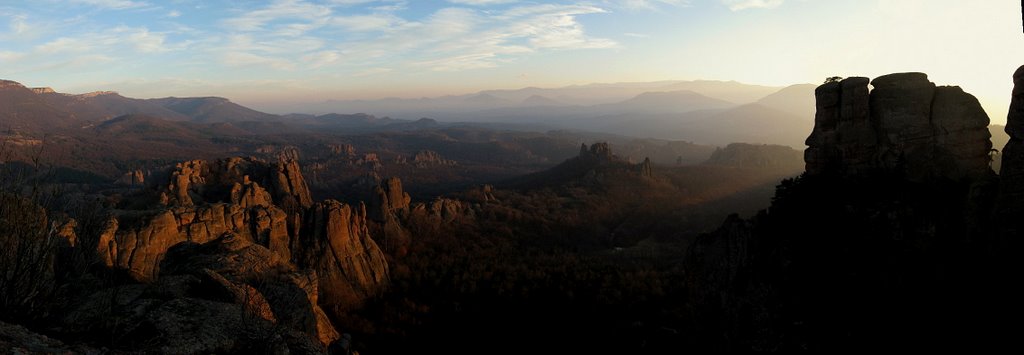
[267,54]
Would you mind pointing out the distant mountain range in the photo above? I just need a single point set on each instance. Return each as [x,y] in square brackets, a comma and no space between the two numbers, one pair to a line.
[576,96]
[705,112]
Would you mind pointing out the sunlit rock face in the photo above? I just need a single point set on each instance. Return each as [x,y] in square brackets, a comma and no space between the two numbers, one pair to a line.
[905,125]
[264,203]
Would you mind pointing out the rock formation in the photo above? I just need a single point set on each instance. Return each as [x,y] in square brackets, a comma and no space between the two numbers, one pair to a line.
[251,217]
[1011,184]
[43,90]
[645,168]
[131,178]
[597,152]
[904,126]
[388,199]
[336,243]
[425,158]
[192,181]
[896,206]
[443,209]
[225,295]
[388,205]
[344,150]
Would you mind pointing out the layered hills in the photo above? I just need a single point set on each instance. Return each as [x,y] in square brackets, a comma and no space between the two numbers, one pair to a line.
[225,230]
[706,112]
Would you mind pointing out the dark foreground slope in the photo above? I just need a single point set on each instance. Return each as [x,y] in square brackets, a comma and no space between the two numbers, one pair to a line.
[892,239]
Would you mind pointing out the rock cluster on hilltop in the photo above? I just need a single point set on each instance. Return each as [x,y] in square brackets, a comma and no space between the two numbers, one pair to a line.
[425,158]
[906,125]
[594,165]
[600,152]
[43,90]
[745,155]
[344,150]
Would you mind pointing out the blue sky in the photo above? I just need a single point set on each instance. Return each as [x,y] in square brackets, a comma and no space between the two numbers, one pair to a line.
[265,53]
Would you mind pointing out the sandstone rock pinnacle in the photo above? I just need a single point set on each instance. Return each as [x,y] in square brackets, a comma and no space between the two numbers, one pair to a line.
[906,126]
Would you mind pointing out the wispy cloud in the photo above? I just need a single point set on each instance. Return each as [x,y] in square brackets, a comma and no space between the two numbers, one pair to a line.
[370,22]
[481,2]
[140,39]
[647,4]
[90,49]
[340,37]
[296,35]
[18,25]
[455,39]
[112,4]
[312,15]
[739,5]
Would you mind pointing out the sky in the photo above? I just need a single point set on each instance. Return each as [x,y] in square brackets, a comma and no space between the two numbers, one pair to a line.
[271,53]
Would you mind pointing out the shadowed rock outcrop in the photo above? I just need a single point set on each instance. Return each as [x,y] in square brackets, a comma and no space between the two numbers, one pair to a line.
[885,241]
[1011,185]
[336,243]
[906,126]
[388,198]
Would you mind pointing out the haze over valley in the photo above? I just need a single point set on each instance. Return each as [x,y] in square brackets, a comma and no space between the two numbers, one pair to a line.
[490,176]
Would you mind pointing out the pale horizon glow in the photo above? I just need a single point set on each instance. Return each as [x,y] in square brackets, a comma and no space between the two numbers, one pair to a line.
[281,53]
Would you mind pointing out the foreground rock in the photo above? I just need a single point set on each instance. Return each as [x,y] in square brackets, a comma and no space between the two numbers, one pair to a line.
[1011,184]
[15,339]
[905,126]
[885,242]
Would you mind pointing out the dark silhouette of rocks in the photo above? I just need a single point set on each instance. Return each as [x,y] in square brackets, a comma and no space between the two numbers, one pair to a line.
[645,168]
[593,165]
[863,250]
[905,126]
[1011,183]
[17,339]
[599,152]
